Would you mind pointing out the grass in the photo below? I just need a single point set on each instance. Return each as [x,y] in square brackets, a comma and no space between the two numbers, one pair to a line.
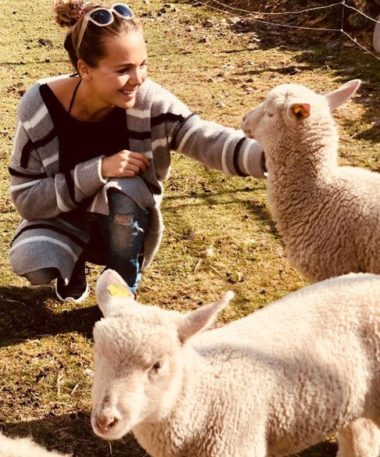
[219,234]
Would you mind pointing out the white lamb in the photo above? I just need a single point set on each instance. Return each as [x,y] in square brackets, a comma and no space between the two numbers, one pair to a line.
[328,215]
[270,384]
[24,447]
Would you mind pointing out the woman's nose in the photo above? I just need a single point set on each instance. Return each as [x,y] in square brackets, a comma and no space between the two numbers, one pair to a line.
[137,77]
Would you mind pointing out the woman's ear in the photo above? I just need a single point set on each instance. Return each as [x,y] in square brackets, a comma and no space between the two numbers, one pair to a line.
[84,70]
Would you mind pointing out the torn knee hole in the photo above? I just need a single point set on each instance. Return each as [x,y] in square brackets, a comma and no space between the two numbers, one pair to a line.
[123,219]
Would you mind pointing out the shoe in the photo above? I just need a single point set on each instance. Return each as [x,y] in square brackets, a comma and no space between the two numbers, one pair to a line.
[76,290]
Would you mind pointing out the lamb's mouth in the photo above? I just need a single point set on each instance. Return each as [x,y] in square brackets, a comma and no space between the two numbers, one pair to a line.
[248,134]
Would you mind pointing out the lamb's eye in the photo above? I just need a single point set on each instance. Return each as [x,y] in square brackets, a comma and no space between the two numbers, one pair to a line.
[269,114]
[156,366]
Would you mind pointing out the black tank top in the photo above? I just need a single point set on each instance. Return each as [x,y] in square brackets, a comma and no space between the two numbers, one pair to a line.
[80,141]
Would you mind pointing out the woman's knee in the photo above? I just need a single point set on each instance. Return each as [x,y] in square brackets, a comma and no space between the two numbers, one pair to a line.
[123,205]
[126,225]
[41,277]
[126,214]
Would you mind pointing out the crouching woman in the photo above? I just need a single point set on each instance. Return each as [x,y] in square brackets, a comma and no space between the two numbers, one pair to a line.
[92,150]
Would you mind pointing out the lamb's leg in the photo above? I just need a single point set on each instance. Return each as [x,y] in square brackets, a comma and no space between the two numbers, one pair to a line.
[359,439]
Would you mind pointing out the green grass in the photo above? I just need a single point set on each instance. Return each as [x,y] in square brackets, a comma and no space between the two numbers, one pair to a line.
[219,234]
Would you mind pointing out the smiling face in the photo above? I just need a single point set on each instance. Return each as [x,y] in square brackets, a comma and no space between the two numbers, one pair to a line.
[115,79]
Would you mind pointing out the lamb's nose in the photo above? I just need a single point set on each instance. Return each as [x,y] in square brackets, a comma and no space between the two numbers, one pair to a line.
[105,422]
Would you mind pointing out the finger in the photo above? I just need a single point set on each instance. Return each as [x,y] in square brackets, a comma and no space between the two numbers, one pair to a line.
[140,157]
[129,173]
[137,163]
[131,167]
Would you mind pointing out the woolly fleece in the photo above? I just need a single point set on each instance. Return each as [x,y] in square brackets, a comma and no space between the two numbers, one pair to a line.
[270,384]
[327,215]
[24,447]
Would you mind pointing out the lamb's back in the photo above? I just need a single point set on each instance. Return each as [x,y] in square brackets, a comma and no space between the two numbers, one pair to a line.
[314,350]
[329,315]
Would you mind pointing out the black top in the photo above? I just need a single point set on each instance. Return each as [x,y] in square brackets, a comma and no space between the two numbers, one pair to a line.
[80,141]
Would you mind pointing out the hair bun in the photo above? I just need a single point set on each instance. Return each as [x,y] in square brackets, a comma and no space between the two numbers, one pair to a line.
[68,12]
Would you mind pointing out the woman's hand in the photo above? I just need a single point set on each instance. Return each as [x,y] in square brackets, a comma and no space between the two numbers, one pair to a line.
[124,164]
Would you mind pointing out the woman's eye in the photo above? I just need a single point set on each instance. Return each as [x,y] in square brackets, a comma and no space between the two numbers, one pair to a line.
[124,71]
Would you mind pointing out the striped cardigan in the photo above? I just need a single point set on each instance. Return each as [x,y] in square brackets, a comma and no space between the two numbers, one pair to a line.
[49,235]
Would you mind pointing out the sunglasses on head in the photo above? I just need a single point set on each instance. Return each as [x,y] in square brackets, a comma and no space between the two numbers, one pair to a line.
[103,17]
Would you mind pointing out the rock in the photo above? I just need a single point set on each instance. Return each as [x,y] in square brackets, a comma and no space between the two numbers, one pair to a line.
[208,23]
[233,20]
[204,39]
[44,42]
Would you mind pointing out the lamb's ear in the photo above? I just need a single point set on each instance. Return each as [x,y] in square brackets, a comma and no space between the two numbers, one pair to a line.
[112,292]
[339,96]
[198,320]
[299,111]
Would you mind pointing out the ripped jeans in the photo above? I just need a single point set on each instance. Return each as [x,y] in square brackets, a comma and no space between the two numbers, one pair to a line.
[122,234]
[116,241]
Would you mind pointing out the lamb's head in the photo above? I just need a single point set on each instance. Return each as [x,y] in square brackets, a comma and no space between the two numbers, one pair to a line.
[141,352]
[290,110]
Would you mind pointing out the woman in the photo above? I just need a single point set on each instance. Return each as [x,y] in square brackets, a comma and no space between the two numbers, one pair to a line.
[92,149]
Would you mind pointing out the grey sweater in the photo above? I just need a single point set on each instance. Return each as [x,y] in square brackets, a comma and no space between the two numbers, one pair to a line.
[48,235]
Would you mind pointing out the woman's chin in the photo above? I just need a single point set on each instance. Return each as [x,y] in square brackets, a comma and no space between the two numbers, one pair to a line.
[127,102]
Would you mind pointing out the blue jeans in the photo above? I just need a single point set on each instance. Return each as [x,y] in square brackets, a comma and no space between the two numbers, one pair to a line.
[119,237]
[122,234]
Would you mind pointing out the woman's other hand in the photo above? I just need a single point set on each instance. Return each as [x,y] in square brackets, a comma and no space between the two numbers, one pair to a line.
[124,164]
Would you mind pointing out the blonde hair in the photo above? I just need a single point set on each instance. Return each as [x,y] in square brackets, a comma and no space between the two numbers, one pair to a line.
[70,13]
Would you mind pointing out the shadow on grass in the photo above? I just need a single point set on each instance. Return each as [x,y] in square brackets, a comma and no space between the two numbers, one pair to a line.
[211,198]
[72,434]
[24,314]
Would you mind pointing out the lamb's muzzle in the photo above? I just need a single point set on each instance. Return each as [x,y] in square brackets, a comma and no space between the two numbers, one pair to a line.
[104,422]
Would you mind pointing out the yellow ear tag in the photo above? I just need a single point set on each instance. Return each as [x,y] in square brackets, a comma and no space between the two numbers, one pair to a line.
[119,291]
[301,111]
